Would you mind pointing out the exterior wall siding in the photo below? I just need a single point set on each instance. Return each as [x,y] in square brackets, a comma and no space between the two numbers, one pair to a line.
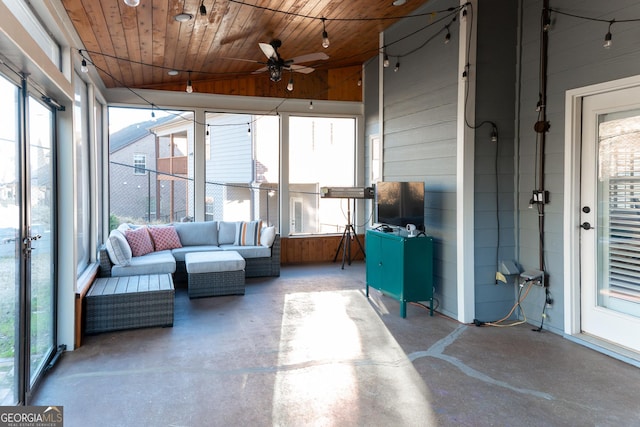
[576,59]
[495,235]
[420,134]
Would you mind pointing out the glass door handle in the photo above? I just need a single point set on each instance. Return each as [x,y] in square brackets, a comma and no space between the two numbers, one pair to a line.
[29,239]
[27,243]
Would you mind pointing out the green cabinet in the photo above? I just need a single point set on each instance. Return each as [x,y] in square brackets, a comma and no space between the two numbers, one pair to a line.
[400,267]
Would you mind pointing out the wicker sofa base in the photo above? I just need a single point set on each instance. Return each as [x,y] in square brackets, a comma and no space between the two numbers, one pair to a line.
[216,284]
[115,303]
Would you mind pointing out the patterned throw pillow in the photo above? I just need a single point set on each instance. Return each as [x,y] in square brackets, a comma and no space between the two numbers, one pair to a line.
[248,233]
[165,237]
[139,241]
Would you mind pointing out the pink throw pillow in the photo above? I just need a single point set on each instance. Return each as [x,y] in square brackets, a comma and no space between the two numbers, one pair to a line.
[165,237]
[139,240]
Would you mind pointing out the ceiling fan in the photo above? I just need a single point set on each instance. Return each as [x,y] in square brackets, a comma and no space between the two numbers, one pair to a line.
[275,64]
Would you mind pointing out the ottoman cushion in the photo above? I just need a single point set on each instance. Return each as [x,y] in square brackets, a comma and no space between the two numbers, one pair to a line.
[212,262]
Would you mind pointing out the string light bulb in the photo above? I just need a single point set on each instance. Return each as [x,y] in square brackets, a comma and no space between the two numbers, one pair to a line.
[397,67]
[132,3]
[607,38]
[310,105]
[494,134]
[385,62]
[189,88]
[360,82]
[203,9]
[83,66]
[546,21]
[290,84]
[447,37]
[325,35]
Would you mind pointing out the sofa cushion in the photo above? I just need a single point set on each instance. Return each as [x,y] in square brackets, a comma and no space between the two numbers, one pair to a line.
[153,263]
[197,233]
[227,232]
[139,240]
[118,248]
[248,233]
[213,262]
[258,251]
[268,236]
[179,253]
[164,237]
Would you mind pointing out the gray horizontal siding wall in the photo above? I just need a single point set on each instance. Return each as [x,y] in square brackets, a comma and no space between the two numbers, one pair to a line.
[494,210]
[576,59]
[420,113]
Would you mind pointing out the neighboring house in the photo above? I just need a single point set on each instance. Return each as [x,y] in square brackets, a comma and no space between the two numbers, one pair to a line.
[136,188]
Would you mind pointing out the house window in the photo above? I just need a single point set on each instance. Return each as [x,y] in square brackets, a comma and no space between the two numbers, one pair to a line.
[139,164]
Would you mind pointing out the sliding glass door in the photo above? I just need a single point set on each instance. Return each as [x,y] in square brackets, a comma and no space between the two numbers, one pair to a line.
[38,243]
[10,245]
[27,290]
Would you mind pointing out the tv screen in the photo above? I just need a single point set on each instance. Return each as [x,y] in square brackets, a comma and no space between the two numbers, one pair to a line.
[400,203]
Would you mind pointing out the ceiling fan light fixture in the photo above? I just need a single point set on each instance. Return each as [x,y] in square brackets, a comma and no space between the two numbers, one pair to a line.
[132,3]
[399,2]
[183,17]
[173,72]
[275,72]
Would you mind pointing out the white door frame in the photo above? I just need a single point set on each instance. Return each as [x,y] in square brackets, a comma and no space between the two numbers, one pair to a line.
[571,220]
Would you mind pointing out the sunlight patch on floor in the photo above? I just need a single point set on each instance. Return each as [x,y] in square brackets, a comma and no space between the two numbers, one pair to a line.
[346,365]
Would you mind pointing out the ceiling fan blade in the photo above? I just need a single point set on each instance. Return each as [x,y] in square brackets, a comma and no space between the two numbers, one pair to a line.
[318,56]
[269,51]
[241,59]
[301,69]
[260,70]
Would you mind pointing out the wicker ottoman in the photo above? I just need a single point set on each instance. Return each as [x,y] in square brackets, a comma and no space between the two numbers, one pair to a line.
[128,302]
[214,273]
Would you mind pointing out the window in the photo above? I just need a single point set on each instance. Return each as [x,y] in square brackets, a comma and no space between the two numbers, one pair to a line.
[82,167]
[321,154]
[139,164]
[22,11]
[150,169]
[242,168]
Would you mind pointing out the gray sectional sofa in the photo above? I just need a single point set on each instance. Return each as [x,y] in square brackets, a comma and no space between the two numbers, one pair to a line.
[117,258]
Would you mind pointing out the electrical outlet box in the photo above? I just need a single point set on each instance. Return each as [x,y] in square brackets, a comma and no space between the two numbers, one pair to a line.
[535,276]
[540,197]
[509,268]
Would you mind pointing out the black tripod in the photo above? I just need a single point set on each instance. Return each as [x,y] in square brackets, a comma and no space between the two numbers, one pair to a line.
[345,241]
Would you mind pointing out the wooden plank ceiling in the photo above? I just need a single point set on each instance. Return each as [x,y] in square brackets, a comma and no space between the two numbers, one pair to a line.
[136,47]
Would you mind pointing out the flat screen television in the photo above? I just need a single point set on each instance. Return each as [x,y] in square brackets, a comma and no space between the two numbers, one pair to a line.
[400,203]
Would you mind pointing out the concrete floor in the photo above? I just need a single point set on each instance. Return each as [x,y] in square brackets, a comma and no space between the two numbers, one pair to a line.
[309,349]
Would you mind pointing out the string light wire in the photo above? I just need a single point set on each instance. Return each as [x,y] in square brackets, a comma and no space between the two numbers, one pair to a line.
[452,11]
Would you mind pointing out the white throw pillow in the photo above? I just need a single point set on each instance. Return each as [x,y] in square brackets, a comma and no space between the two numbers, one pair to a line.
[118,248]
[267,236]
